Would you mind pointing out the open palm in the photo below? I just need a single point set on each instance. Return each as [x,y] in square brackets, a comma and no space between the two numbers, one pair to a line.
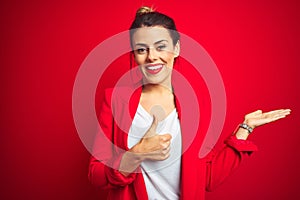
[259,118]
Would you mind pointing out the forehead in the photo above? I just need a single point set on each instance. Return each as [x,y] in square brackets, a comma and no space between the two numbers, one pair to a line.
[150,35]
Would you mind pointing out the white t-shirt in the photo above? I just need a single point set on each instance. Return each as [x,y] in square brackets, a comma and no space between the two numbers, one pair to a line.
[162,178]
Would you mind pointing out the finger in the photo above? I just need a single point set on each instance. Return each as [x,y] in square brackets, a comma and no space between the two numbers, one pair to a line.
[258,112]
[279,111]
[286,111]
[276,118]
[166,150]
[271,112]
[159,154]
[165,153]
[166,137]
[282,114]
[152,130]
[276,113]
[165,145]
[253,114]
[154,123]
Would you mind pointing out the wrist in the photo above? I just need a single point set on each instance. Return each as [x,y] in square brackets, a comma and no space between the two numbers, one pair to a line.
[135,154]
[246,127]
[129,163]
[248,122]
[242,134]
[243,130]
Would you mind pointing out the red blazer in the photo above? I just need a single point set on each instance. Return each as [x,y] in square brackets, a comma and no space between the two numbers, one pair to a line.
[197,174]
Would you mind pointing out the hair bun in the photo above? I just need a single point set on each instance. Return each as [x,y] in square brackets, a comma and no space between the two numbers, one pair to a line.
[144,10]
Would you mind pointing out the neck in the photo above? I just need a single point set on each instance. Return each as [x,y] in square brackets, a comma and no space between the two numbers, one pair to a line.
[158,88]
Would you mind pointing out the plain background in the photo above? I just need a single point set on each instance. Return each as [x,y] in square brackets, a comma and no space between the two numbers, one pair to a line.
[255,45]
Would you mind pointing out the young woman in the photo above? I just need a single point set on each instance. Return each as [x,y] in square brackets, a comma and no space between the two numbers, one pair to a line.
[147,159]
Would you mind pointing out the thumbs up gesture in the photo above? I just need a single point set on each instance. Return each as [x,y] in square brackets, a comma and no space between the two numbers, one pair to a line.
[153,146]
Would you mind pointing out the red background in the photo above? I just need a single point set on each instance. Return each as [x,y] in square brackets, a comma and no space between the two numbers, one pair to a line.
[254,44]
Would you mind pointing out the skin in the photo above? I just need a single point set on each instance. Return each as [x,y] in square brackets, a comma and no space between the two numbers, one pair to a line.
[153,45]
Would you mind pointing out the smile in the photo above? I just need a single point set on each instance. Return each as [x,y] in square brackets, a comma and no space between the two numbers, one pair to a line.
[154,69]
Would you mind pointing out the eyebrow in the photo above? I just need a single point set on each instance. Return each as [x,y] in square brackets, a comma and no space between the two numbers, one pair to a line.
[142,44]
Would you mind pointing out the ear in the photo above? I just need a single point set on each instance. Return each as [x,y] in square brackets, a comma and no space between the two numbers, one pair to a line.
[177,49]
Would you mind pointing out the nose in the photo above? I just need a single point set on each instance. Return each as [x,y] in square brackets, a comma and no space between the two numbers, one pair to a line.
[152,55]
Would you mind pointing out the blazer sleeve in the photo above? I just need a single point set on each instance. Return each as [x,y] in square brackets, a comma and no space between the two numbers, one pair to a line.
[106,156]
[221,163]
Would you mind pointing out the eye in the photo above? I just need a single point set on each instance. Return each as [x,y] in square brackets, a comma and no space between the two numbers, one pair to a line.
[141,50]
[161,47]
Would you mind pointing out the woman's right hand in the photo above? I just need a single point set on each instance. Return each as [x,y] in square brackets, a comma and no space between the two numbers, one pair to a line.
[153,146]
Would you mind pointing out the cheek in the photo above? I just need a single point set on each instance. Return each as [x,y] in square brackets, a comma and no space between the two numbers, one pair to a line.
[168,57]
[139,59]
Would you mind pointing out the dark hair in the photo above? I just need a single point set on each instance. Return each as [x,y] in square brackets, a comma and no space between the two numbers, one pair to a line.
[147,17]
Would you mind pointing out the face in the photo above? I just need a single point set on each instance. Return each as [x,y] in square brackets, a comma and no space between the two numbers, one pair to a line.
[155,52]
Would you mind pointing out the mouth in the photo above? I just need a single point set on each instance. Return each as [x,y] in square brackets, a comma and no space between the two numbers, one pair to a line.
[154,68]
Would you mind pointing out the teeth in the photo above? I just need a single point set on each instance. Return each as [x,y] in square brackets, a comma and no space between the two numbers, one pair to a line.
[154,67]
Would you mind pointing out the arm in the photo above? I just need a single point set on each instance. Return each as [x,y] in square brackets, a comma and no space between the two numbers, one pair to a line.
[237,147]
[111,168]
[105,156]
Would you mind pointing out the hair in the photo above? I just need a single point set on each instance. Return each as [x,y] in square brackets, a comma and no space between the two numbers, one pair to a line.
[148,17]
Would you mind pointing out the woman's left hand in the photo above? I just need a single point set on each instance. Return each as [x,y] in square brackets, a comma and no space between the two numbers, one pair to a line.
[259,118]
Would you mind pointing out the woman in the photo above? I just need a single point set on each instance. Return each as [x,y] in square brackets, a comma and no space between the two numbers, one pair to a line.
[147,159]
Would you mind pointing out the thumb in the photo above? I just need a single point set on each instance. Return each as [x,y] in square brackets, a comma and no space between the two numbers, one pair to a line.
[253,114]
[152,130]
[258,112]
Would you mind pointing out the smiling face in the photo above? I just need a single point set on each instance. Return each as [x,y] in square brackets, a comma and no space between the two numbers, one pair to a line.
[155,52]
